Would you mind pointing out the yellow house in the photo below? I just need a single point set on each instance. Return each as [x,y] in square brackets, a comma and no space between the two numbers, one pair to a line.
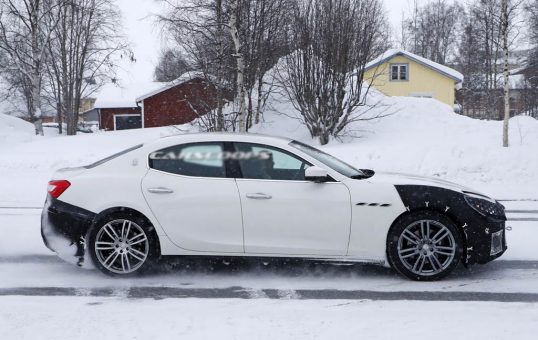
[400,73]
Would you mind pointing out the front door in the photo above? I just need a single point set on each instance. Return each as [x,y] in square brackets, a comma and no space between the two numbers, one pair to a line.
[197,206]
[283,213]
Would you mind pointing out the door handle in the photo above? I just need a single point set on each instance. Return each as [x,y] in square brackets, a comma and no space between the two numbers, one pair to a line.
[259,196]
[160,190]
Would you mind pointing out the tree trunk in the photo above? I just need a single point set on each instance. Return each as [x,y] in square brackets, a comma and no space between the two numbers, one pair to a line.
[220,47]
[504,32]
[60,118]
[240,63]
[259,104]
[36,108]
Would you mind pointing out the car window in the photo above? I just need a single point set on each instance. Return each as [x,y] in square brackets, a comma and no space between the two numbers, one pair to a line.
[197,159]
[331,161]
[259,161]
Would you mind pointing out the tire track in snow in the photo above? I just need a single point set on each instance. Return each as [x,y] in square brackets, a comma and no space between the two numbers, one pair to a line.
[159,293]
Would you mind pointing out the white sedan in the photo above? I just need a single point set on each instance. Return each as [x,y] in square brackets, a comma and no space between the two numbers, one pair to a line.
[231,195]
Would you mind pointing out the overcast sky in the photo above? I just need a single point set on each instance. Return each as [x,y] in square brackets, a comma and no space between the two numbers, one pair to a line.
[140,28]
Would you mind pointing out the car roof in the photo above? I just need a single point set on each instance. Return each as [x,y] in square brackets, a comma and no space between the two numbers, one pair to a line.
[220,136]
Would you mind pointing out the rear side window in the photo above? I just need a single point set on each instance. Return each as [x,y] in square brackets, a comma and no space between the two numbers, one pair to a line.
[197,159]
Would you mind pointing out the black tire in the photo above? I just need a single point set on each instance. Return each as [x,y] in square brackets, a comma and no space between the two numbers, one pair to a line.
[424,260]
[149,247]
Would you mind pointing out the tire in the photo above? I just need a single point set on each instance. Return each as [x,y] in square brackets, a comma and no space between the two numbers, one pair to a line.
[424,246]
[123,245]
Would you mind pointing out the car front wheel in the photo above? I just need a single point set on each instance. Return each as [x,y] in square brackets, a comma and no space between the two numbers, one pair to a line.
[424,246]
[121,245]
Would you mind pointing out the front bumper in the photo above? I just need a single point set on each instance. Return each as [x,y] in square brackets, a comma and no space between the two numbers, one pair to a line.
[478,229]
[64,228]
[486,240]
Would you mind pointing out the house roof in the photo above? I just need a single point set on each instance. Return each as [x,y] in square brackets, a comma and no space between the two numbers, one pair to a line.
[121,96]
[445,70]
[166,86]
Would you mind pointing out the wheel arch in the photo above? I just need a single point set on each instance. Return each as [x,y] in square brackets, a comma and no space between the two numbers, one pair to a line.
[451,217]
[133,212]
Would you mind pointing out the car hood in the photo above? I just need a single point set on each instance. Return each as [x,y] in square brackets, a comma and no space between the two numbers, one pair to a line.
[407,179]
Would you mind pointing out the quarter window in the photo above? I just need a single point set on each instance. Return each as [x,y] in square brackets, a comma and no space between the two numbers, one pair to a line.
[264,162]
[198,159]
[399,72]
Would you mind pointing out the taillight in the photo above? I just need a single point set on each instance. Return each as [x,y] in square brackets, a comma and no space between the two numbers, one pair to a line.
[56,188]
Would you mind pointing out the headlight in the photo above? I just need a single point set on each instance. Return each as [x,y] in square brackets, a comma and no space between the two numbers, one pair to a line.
[483,205]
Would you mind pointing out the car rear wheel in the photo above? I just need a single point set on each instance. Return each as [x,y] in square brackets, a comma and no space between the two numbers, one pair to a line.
[424,246]
[122,245]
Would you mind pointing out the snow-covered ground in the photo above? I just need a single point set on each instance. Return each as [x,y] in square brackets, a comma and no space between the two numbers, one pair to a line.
[421,136]
[114,318]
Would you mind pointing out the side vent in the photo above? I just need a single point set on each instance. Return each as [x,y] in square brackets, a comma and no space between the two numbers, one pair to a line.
[362,204]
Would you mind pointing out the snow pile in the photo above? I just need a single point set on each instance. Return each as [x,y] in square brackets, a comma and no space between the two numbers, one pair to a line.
[14,130]
[425,137]
[28,162]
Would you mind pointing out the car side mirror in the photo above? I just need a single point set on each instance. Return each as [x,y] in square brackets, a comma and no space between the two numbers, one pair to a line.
[316,174]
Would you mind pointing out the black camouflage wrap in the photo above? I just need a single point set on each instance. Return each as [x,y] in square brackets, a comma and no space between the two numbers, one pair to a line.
[476,229]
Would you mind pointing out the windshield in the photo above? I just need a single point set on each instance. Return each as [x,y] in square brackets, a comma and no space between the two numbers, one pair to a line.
[331,161]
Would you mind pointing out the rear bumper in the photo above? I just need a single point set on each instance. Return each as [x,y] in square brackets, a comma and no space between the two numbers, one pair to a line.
[64,228]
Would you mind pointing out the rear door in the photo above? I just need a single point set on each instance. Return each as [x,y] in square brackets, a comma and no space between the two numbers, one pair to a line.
[197,206]
[283,213]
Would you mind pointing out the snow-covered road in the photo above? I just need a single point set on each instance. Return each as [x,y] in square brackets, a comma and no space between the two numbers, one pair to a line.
[501,281]
[28,268]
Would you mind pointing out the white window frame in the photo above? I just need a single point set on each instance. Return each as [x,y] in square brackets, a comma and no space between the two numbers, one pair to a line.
[399,65]
[422,94]
[125,115]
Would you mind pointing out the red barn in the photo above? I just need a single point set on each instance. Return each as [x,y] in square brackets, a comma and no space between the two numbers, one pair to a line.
[152,104]
[178,102]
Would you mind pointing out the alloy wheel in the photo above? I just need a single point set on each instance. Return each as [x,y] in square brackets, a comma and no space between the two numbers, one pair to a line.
[121,246]
[426,247]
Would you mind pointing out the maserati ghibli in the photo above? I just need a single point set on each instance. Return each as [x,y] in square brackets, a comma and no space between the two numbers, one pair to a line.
[245,195]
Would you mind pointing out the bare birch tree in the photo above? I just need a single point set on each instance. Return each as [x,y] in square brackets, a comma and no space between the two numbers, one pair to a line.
[234,26]
[25,30]
[234,43]
[481,56]
[263,35]
[83,54]
[332,42]
[199,28]
[171,65]
[432,30]
[504,34]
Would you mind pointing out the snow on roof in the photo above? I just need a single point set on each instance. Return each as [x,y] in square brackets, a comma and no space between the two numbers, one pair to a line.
[185,77]
[447,71]
[117,96]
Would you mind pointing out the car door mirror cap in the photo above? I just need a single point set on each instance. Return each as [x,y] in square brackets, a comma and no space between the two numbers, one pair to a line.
[316,174]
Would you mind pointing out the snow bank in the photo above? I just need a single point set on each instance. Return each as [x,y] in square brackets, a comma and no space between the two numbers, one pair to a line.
[424,136]
[28,162]
[14,130]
